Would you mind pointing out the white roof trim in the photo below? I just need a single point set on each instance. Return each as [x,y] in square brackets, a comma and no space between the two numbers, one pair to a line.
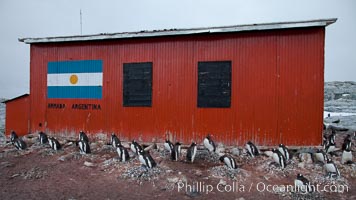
[172,32]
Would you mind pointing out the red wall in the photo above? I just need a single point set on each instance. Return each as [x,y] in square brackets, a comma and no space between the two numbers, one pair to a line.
[277,87]
[17,116]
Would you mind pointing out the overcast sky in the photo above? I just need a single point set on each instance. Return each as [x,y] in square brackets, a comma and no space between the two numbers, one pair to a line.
[43,18]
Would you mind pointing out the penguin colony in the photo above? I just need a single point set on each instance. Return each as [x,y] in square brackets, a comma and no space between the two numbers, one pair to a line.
[280,155]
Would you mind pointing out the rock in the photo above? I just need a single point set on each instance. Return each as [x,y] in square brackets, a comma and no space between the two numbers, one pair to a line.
[306,158]
[89,164]
[241,198]
[222,182]
[198,172]
[235,152]
[268,153]
[173,180]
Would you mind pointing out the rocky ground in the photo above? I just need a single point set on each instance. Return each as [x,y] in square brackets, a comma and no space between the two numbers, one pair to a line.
[41,173]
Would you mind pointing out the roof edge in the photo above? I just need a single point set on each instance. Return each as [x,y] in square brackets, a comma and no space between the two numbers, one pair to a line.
[15,98]
[188,31]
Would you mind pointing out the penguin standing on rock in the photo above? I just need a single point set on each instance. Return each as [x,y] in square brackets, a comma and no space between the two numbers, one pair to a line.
[175,154]
[284,150]
[209,144]
[115,140]
[13,137]
[347,143]
[83,136]
[123,153]
[84,147]
[135,147]
[168,146]
[331,168]
[320,156]
[346,157]
[20,144]
[146,159]
[192,152]
[279,158]
[228,161]
[252,149]
[54,144]
[302,184]
[43,138]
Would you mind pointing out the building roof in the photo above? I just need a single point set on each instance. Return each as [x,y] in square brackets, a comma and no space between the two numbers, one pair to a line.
[189,31]
[19,97]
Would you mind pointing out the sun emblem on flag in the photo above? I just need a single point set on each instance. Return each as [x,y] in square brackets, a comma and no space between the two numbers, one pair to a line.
[73,79]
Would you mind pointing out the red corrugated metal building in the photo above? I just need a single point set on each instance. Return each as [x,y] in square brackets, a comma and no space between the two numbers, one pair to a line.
[18,115]
[259,82]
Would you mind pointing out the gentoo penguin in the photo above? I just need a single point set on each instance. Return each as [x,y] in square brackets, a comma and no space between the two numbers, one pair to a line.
[192,152]
[229,161]
[279,158]
[331,168]
[320,156]
[175,154]
[84,147]
[135,147]
[355,135]
[55,145]
[209,144]
[346,157]
[13,137]
[168,146]
[146,159]
[83,136]
[252,149]
[43,138]
[123,153]
[284,150]
[20,144]
[332,137]
[115,140]
[330,147]
[302,184]
[325,141]
[347,143]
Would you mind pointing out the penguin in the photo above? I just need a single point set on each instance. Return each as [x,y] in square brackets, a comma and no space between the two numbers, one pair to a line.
[84,147]
[279,158]
[347,143]
[175,154]
[146,159]
[209,144]
[123,153]
[320,156]
[325,141]
[43,138]
[13,137]
[346,157]
[354,135]
[115,140]
[83,136]
[302,184]
[135,147]
[192,152]
[168,146]
[53,142]
[330,147]
[252,149]
[284,150]
[20,144]
[229,161]
[331,168]
[332,137]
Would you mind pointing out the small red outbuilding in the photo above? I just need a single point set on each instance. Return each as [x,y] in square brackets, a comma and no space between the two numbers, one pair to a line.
[18,115]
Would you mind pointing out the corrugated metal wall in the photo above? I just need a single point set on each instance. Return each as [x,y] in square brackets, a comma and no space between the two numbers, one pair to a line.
[18,116]
[277,87]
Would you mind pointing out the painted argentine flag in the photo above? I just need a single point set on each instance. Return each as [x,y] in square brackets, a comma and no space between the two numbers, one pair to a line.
[75,79]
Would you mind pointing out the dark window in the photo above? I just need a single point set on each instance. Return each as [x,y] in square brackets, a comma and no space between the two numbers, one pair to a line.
[137,84]
[214,84]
